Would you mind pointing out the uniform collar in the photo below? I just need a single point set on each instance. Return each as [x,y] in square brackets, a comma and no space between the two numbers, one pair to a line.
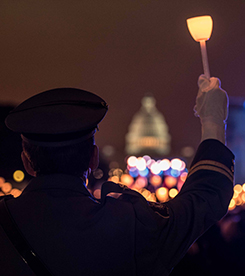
[57,181]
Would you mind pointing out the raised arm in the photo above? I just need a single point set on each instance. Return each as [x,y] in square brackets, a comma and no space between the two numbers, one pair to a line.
[205,196]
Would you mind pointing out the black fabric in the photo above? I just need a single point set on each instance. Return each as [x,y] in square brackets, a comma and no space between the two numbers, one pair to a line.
[212,149]
[19,242]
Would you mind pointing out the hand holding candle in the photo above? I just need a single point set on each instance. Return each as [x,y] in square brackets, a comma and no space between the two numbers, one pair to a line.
[200,29]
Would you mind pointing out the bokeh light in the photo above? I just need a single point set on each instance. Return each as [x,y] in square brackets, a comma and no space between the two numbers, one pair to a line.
[141,164]
[183,176]
[98,174]
[155,180]
[147,159]
[238,188]
[162,194]
[156,168]
[114,179]
[145,193]
[133,172]
[176,164]
[127,179]
[117,172]
[170,181]
[18,176]
[132,161]
[140,182]
[165,164]
[173,192]
[163,178]
[175,173]
[144,172]
[232,205]
[6,187]
[97,193]
[2,180]
[15,192]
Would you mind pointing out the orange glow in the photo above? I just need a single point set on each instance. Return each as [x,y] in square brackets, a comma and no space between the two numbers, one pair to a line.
[243,187]
[243,197]
[237,188]
[173,192]
[232,205]
[156,180]
[2,180]
[18,176]
[97,193]
[114,179]
[170,181]
[145,193]
[127,179]
[151,197]
[238,201]
[6,187]
[15,192]
[200,27]
[162,194]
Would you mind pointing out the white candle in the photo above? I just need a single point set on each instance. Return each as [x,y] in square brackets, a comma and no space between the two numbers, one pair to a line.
[200,29]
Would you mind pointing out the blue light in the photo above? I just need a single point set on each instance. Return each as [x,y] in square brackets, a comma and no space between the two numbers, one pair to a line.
[161,173]
[174,173]
[144,172]
[168,172]
[133,172]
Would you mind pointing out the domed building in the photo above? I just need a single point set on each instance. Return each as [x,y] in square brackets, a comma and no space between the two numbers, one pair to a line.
[148,131]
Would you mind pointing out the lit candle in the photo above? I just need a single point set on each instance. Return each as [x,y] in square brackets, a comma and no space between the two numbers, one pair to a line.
[200,29]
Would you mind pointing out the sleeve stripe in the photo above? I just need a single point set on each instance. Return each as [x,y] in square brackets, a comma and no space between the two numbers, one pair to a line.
[213,166]
[213,163]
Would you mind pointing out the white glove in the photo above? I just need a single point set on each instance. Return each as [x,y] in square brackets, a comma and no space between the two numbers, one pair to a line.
[212,102]
[212,108]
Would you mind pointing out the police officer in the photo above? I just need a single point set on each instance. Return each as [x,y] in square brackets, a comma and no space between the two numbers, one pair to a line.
[64,230]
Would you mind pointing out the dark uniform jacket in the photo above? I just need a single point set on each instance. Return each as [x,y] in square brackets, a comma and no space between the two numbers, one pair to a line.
[74,234]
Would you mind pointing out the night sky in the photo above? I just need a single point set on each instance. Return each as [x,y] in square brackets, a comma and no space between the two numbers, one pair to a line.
[121,50]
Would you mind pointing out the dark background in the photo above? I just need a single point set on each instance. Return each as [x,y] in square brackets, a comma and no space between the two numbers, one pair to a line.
[121,50]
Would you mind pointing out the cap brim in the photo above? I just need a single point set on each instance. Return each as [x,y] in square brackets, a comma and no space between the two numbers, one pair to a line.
[58,111]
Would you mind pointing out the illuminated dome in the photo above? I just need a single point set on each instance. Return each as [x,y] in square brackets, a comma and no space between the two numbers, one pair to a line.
[148,131]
